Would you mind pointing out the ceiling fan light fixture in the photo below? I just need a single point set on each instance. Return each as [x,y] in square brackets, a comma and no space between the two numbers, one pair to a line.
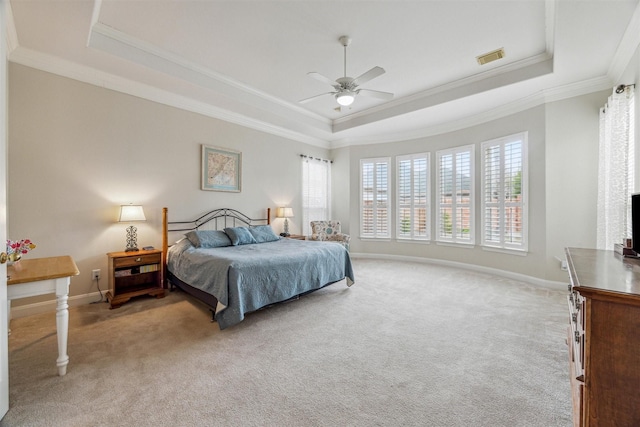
[345,98]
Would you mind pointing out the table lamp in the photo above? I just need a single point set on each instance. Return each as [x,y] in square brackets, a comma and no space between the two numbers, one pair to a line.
[285,213]
[129,213]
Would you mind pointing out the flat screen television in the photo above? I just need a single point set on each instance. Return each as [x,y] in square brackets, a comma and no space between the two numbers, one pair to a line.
[635,223]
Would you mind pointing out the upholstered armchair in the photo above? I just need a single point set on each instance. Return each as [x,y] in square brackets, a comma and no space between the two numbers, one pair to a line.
[329,231]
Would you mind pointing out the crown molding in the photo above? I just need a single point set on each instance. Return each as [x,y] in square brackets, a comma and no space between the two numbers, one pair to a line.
[583,87]
[551,95]
[538,66]
[61,67]
[95,16]
[465,84]
[469,84]
[116,42]
[627,47]
[12,34]
[99,78]
[550,10]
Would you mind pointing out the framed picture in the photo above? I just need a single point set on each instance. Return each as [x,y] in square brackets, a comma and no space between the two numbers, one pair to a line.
[221,169]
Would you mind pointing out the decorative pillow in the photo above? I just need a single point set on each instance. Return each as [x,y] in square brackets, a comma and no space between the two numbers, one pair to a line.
[263,233]
[240,236]
[208,238]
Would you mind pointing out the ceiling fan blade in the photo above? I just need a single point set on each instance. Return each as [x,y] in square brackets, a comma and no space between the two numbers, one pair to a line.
[322,78]
[369,75]
[375,94]
[304,101]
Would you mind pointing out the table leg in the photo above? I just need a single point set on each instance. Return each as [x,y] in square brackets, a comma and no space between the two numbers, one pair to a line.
[9,316]
[62,323]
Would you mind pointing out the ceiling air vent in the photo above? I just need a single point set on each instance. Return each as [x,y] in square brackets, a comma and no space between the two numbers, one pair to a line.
[490,56]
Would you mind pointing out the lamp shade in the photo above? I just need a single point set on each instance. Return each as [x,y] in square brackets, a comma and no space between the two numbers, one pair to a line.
[284,213]
[130,213]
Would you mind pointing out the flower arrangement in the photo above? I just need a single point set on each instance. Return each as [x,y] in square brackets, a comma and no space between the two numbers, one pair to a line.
[16,249]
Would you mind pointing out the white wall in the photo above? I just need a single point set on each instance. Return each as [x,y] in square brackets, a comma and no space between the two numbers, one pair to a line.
[77,152]
[533,121]
[572,134]
[341,190]
[563,150]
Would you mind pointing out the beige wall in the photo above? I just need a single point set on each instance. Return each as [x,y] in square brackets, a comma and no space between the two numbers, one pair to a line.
[77,151]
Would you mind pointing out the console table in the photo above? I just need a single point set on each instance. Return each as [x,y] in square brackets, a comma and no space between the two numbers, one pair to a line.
[604,338]
[40,276]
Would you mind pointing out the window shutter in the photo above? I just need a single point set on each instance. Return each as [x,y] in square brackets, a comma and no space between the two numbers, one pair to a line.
[374,198]
[413,197]
[504,178]
[455,198]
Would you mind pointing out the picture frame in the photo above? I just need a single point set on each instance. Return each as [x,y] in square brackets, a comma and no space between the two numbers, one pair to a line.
[221,169]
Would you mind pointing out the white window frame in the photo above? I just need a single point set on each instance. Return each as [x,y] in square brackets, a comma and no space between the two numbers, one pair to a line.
[412,205]
[375,233]
[502,205]
[455,238]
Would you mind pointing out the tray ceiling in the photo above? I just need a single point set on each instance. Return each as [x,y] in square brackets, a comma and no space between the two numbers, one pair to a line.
[247,61]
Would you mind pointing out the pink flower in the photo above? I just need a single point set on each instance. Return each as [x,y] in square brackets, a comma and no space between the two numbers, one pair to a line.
[19,246]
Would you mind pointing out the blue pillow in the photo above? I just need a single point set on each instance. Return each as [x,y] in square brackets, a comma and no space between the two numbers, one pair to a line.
[263,233]
[208,238]
[239,236]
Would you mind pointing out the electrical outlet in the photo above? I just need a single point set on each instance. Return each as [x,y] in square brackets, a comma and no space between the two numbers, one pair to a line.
[95,274]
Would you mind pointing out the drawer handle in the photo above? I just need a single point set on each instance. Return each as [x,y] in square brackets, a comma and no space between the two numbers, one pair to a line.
[577,334]
[574,317]
[138,259]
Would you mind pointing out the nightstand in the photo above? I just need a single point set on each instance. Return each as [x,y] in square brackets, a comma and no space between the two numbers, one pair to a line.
[297,237]
[132,274]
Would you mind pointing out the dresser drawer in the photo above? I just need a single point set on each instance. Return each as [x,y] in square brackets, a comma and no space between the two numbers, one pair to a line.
[576,333]
[136,260]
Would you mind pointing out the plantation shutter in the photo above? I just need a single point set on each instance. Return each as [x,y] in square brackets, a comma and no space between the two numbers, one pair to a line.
[374,198]
[413,197]
[504,196]
[455,198]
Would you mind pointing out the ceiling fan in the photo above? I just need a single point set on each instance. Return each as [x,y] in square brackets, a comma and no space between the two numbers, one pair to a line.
[346,88]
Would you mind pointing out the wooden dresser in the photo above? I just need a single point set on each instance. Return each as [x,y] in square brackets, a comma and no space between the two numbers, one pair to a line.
[604,338]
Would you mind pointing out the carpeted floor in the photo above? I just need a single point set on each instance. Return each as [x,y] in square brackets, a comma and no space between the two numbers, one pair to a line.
[408,345]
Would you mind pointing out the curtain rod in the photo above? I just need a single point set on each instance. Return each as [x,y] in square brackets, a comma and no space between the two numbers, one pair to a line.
[316,158]
[621,88]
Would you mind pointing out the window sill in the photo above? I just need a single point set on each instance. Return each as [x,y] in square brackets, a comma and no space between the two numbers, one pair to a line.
[457,245]
[518,252]
[414,241]
[375,239]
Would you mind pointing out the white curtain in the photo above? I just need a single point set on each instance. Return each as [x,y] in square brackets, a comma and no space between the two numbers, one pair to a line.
[616,169]
[316,191]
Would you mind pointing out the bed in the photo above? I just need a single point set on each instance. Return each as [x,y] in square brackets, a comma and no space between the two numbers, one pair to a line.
[236,265]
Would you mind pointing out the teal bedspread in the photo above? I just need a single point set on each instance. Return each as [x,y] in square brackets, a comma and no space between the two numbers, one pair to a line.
[248,277]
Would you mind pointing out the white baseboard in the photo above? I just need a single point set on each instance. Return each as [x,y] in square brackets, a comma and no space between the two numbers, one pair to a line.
[550,284]
[50,306]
